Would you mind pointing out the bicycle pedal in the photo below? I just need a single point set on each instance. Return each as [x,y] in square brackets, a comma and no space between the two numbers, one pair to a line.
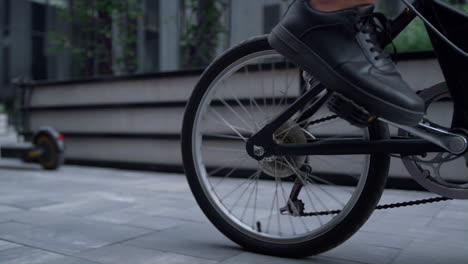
[350,111]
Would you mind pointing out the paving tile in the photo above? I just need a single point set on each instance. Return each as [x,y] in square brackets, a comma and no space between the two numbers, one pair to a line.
[382,239]
[172,258]
[460,204]
[13,227]
[27,255]
[30,202]
[39,218]
[364,253]
[8,208]
[446,236]
[68,236]
[156,222]
[98,231]
[119,253]
[198,240]
[193,214]
[115,215]
[396,223]
[453,214]
[7,245]
[456,224]
[7,217]
[252,258]
[69,260]
[51,240]
[431,252]
[120,216]
[85,207]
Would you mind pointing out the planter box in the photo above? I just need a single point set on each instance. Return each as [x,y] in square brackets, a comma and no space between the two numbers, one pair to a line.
[135,122]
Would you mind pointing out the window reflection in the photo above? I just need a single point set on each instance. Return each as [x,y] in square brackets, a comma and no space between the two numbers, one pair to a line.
[56,3]
[38,40]
[151,36]
[6,17]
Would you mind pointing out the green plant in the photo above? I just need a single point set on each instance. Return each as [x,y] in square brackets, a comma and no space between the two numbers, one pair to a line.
[201,29]
[2,109]
[461,4]
[103,36]
[415,36]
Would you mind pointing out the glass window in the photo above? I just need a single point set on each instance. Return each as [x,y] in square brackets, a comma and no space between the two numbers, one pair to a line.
[152,51]
[151,36]
[38,25]
[152,15]
[271,17]
[39,60]
[6,66]
[6,17]
[38,17]
[57,3]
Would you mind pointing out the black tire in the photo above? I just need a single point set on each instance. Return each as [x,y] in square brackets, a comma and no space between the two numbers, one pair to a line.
[51,157]
[350,223]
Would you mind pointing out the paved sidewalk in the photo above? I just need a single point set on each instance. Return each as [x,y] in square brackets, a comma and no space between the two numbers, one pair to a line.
[92,215]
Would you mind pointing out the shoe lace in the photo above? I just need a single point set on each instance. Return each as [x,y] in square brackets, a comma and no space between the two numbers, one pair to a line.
[377,26]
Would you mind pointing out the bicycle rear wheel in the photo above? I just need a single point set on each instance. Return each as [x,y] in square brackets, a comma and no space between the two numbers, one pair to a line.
[250,201]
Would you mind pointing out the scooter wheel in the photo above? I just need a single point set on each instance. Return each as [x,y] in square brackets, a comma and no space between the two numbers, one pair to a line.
[51,156]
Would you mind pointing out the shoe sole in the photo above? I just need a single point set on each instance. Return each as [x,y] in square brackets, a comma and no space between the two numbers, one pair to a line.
[289,46]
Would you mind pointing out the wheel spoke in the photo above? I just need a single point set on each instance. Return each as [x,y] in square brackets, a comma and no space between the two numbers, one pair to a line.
[240,185]
[229,125]
[236,114]
[251,196]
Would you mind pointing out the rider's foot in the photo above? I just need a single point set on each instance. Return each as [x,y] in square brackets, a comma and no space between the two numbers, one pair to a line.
[342,50]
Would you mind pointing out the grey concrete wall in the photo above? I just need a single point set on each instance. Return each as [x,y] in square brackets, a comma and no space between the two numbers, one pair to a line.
[132,91]
[168,120]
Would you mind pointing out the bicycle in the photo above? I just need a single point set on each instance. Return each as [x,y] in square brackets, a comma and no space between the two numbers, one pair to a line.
[263,159]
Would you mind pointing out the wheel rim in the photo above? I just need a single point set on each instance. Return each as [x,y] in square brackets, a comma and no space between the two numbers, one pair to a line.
[245,119]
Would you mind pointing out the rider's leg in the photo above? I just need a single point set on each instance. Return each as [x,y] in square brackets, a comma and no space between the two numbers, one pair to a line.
[334,5]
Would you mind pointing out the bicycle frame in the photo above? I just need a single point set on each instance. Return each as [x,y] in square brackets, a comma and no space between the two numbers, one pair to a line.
[436,139]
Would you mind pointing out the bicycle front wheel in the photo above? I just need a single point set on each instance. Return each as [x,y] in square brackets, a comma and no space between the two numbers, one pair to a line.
[286,206]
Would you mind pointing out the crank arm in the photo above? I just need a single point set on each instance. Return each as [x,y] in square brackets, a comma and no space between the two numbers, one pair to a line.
[453,143]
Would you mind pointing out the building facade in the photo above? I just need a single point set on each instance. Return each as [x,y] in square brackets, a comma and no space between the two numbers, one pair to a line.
[26,48]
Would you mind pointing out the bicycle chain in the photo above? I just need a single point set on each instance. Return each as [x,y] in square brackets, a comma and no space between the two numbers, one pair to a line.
[380,207]
[321,120]
[385,206]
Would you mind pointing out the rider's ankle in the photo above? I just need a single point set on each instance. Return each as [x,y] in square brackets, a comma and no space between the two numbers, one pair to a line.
[335,5]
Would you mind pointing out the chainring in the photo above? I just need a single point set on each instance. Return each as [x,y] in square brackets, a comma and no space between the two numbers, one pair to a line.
[427,170]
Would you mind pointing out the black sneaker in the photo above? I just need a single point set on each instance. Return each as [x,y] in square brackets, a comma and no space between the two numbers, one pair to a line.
[342,50]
